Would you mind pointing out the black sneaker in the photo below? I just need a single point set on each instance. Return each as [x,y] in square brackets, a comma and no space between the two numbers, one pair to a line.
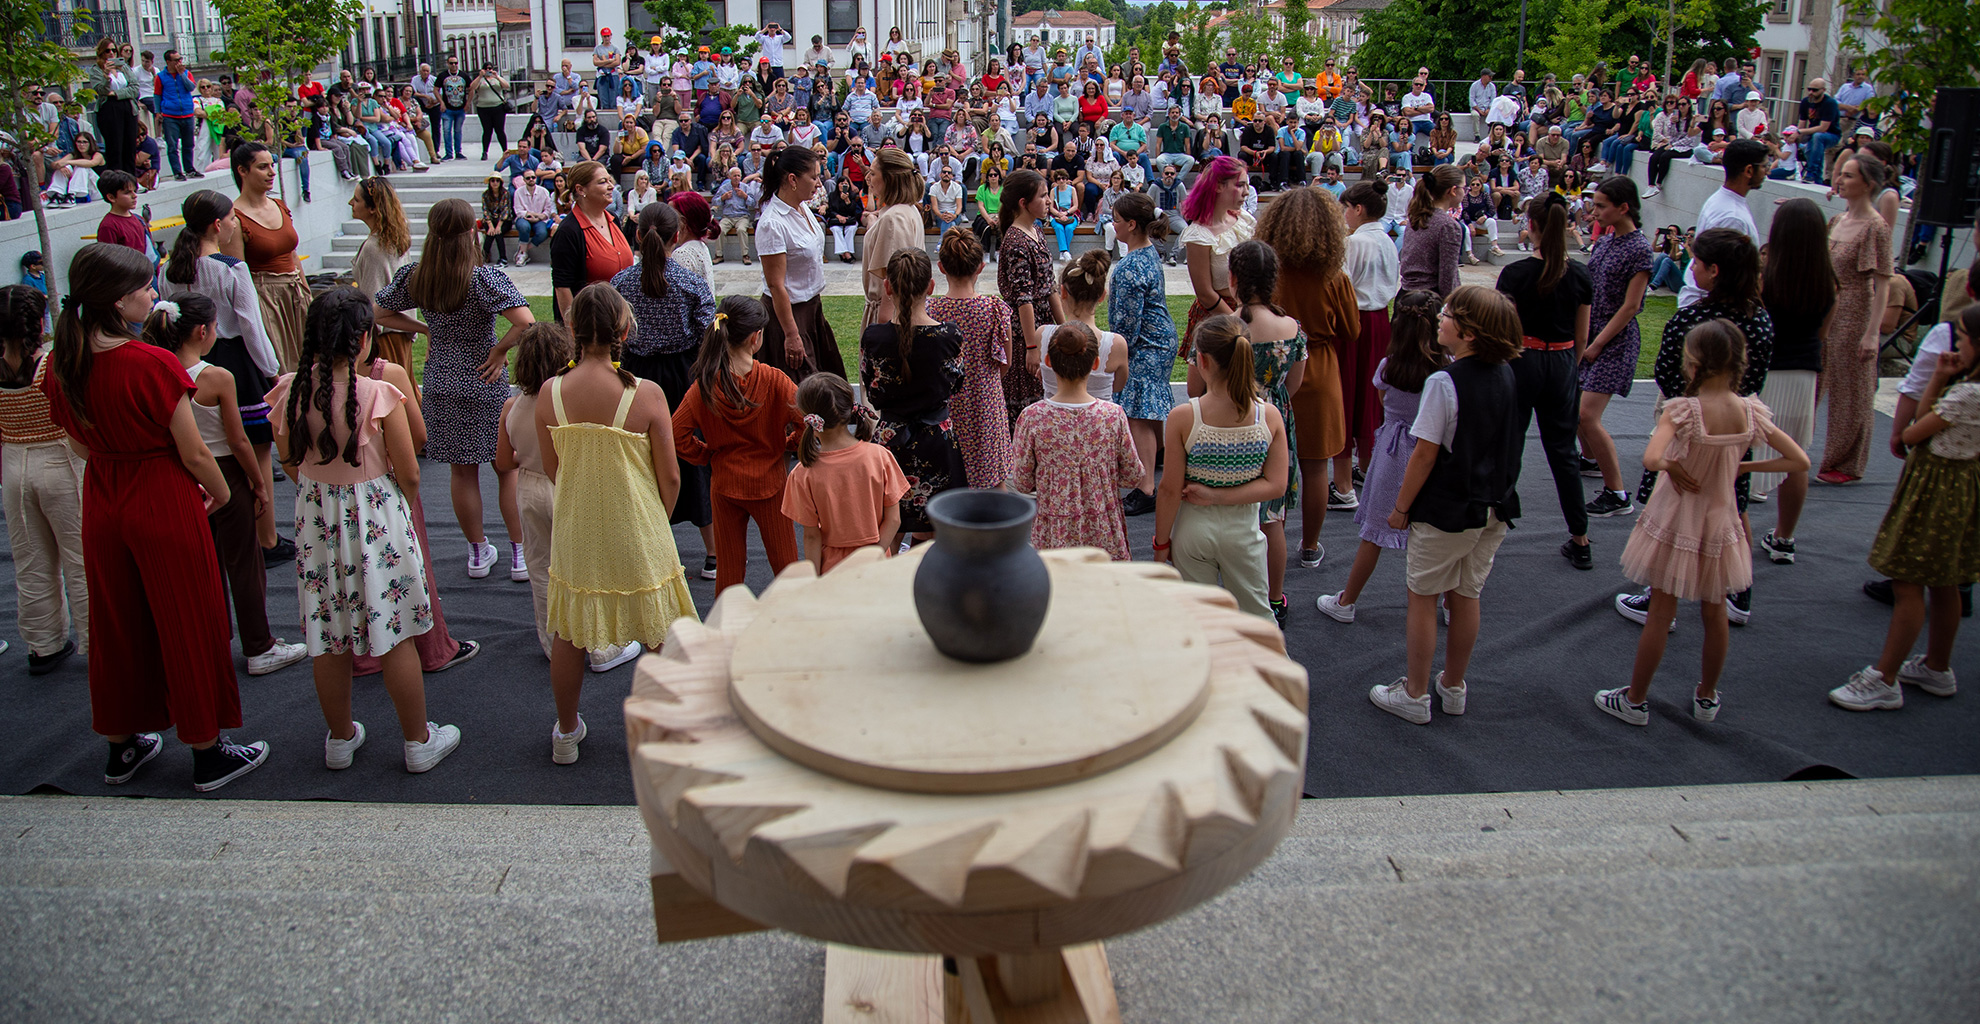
[42,664]
[127,757]
[1338,502]
[283,551]
[1581,556]
[1966,600]
[1138,503]
[708,568]
[278,477]
[1879,591]
[1610,503]
[467,651]
[1636,608]
[226,761]
[1780,551]
[1357,476]
[1739,607]
[1589,467]
[1311,557]
[1279,610]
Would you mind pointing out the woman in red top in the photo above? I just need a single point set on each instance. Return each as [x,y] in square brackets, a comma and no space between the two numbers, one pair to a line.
[160,653]
[740,417]
[588,247]
[1092,105]
[993,78]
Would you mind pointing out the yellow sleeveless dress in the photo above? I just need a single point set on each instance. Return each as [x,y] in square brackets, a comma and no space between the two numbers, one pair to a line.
[615,576]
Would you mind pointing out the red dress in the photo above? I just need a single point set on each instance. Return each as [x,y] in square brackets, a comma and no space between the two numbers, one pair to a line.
[160,652]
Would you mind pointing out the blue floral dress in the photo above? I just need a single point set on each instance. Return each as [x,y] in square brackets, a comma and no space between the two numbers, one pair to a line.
[1138,310]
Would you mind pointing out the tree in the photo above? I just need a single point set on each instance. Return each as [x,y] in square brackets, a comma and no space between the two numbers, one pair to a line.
[1910,50]
[274,45]
[31,60]
[1705,28]
[1585,26]
[1453,38]
[1199,44]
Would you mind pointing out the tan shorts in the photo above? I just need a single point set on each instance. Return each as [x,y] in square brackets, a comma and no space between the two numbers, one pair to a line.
[1440,562]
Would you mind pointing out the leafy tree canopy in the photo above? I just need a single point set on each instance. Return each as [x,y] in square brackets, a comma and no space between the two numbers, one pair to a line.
[1910,50]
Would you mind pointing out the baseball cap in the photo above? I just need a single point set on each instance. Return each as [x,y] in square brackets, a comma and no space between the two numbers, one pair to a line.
[726,50]
[1718,131]
[1791,130]
[606,32]
[1865,131]
[704,49]
[655,41]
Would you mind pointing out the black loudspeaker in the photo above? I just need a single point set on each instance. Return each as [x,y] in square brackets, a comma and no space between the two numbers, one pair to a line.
[1949,180]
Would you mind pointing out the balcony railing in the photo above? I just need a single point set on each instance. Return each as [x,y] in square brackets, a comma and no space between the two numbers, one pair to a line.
[81,33]
[199,47]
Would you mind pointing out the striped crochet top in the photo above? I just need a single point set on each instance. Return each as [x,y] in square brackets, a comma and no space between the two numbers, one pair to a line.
[1226,456]
[24,413]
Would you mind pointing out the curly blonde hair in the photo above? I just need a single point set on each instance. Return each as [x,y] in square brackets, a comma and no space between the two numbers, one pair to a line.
[1304,227]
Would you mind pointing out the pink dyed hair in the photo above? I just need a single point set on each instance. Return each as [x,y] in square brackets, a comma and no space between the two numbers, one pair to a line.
[1202,198]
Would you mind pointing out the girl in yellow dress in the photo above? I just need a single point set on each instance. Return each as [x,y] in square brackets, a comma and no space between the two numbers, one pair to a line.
[607,440]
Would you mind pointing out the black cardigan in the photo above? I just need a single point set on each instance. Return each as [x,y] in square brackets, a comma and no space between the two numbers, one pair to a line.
[568,253]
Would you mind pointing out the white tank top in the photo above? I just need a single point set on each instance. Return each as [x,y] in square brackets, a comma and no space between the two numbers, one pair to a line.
[1099,383]
[208,417]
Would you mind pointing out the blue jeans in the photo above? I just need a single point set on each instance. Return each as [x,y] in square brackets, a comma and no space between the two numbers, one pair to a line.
[608,87]
[178,133]
[381,147]
[1665,272]
[301,157]
[942,226]
[1064,233]
[1812,154]
[1182,162]
[450,132]
[532,232]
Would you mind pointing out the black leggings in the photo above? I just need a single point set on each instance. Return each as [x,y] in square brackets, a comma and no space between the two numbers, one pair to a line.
[119,124]
[1549,388]
[1660,164]
[493,122]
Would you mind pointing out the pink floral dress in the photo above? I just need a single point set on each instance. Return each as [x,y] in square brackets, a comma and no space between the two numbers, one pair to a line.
[1076,458]
[1692,544]
[983,428]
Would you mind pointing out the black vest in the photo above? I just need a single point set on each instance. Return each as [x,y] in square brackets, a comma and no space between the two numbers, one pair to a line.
[1477,472]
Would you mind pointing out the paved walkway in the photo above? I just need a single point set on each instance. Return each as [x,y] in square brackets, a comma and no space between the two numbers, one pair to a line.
[1792,902]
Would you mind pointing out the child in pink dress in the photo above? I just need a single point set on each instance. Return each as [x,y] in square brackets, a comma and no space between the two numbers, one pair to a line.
[1689,543]
[846,491]
[1075,451]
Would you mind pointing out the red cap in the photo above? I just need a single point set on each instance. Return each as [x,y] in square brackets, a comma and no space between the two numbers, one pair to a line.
[606,32]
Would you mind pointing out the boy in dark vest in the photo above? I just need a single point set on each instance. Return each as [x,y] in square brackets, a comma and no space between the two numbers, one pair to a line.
[1457,498]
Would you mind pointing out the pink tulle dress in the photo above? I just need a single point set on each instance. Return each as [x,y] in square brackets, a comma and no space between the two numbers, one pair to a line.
[1692,545]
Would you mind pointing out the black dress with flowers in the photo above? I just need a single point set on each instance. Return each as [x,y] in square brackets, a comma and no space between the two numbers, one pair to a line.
[910,396]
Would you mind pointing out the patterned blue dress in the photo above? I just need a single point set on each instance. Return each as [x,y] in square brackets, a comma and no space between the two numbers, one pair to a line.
[1616,260]
[1138,310]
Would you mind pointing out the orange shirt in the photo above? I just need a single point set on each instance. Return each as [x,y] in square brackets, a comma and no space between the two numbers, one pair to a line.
[844,495]
[744,447]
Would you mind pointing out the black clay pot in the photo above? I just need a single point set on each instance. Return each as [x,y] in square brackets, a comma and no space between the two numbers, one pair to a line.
[982,590]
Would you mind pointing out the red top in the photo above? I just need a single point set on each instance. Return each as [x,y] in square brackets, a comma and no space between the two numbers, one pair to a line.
[605,252]
[1092,108]
[269,252]
[745,448]
[127,231]
[992,83]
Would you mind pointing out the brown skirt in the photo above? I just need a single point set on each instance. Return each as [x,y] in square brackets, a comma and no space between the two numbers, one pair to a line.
[1319,429]
[284,306]
[821,350]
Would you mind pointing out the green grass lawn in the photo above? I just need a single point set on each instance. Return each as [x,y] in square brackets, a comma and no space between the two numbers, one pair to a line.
[842,312]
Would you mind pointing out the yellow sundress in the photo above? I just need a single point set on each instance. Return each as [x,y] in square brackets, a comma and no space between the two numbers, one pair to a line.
[615,576]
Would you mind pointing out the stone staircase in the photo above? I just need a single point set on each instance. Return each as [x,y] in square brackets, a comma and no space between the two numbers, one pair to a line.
[418,192]
[1775,902]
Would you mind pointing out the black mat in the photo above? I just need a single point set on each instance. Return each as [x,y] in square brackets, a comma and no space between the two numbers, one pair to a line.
[1549,639]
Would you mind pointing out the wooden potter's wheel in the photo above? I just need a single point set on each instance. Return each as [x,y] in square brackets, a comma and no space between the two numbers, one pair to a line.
[808,761]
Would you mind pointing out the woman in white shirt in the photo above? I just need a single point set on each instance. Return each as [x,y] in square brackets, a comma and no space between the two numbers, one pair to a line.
[641,195]
[790,241]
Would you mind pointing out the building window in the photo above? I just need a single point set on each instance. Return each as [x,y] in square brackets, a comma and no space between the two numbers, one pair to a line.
[841,17]
[1780,11]
[778,11]
[579,24]
[151,20]
[182,16]
[640,25]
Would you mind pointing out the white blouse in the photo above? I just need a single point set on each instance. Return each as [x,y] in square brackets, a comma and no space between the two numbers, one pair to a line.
[1238,229]
[791,231]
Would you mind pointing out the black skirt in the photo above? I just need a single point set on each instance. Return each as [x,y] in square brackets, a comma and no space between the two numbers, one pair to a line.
[251,387]
[823,356]
[674,372]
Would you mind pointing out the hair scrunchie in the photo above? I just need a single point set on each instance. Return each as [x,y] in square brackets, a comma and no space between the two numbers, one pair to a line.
[815,422]
[69,303]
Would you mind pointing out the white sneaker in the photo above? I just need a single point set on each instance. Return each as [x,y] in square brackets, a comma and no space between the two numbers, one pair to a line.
[1395,699]
[1616,702]
[518,569]
[1705,709]
[608,658]
[1444,611]
[440,741]
[521,258]
[1932,681]
[564,748]
[481,558]
[1453,697]
[276,658]
[1330,605]
[1598,167]
[1652,193]
[337,753]
[1867,691]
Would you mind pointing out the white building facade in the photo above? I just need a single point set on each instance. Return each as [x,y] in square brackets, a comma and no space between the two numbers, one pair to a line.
[468,30]
[568,29]
[1063,28]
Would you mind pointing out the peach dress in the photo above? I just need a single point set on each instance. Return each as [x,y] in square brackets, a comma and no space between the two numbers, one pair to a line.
[1692,545]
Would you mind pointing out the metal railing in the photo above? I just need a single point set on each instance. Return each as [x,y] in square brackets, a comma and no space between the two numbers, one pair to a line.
[199,47]
[79,30]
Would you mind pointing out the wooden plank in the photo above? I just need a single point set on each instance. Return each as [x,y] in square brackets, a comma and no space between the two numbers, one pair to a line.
[1093,982]
[1030,977]
[864,986]
[681,913]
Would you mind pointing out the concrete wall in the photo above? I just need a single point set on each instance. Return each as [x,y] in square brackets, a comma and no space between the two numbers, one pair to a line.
[317,222]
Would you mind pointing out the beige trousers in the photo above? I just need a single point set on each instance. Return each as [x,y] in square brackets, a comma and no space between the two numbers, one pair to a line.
[41,485]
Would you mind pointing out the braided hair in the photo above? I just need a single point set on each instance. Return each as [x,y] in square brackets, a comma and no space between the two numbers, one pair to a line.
[601,316]
[334,333]
[909,274]
[21,310]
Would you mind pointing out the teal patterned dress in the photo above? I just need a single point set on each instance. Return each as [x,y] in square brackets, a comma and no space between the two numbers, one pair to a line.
[1271,362]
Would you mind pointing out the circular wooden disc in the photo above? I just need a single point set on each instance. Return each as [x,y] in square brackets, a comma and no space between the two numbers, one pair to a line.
[847,682]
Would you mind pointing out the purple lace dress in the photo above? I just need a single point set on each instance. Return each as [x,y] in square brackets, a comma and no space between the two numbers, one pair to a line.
[1383,481]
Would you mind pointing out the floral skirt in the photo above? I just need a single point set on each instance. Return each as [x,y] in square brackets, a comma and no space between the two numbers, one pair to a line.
[359,575]
[929,457]
[1931,533]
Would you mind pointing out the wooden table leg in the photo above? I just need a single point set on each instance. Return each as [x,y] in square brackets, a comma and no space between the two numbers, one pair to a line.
[866,986]
[1069,986]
